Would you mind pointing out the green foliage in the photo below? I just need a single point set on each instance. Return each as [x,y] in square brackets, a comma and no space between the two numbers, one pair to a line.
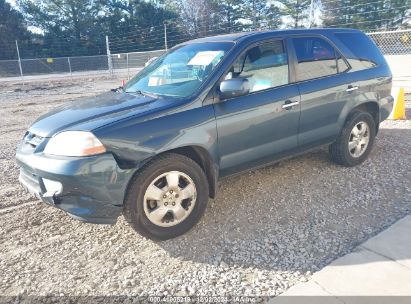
[261,14]
[79,27]
[366,14]
[135,25]
[297,11]
[12,27]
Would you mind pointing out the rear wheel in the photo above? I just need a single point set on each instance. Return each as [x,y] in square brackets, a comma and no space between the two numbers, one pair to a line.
[354,143]
[167,197]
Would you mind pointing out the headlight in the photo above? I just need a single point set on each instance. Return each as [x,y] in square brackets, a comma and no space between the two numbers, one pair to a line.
[74,143]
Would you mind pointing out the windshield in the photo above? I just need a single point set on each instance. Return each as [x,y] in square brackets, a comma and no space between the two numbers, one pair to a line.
[181,71]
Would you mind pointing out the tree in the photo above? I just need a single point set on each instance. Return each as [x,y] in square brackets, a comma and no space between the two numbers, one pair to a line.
[366,15]
[273,16]
[231,13]
[67,25]
[296,11]
[78,27]
[261,14]
[136,25]
[199,17]
[12,27]
[131,14]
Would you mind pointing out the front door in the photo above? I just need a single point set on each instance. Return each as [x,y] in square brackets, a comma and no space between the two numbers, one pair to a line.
[261,126]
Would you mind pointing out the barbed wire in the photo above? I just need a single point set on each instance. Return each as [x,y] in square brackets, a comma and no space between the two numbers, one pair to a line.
[356,6]
[177,37]
[153,37]
[390,42]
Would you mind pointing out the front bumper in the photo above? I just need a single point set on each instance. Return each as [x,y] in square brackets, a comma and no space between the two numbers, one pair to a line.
[93,188]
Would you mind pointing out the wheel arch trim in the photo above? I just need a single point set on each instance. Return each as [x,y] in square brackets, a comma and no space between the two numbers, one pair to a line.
[370,106]
[198,154]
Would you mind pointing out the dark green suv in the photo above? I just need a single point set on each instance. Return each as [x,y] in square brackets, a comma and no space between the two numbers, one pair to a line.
[155,149]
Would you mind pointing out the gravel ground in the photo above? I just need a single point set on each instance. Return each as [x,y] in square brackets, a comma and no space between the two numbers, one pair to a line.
[267,229]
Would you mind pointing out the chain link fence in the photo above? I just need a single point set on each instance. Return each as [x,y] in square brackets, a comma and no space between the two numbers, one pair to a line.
[391,43]
[9,68]
[122,62]
[129,61]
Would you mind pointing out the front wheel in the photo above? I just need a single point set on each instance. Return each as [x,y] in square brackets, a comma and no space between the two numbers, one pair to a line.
[167,197]
[354,143]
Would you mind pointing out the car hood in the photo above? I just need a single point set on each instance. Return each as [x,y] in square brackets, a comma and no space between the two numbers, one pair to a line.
[93,112]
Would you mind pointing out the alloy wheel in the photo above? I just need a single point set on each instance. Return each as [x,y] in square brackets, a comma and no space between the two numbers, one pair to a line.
[359,139]
[169,199]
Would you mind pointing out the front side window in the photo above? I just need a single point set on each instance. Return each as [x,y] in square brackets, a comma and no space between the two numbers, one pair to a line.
[315,58]
[265,66]
[180,72]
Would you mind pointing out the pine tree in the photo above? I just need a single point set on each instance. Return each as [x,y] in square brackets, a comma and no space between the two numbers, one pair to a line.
[12,27]
[296,11]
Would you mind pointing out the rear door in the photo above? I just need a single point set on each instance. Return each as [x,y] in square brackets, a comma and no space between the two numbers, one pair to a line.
[324,86]
[259,127]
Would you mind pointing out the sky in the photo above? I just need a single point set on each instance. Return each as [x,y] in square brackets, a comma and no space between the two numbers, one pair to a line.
[12,2]
[30,28]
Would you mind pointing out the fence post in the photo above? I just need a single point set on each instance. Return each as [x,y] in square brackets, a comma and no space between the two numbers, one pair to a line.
[128,68]
[69,64]
[110,63]
[19,59]
[165,36]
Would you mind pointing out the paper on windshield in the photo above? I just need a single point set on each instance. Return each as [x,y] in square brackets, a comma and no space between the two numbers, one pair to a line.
[204,58]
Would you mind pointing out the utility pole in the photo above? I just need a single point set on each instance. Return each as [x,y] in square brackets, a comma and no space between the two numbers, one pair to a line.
[254,16]
[109,62]
[165,36]
[19,59]
[311,18]
[311,14]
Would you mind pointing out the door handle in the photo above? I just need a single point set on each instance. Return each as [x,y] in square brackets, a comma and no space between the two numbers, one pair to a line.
[351,88]
[289,104]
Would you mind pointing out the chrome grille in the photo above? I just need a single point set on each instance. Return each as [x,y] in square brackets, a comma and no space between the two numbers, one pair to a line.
[32,139]
[30,142]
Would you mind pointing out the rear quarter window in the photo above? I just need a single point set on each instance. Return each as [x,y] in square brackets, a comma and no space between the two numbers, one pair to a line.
[364,53]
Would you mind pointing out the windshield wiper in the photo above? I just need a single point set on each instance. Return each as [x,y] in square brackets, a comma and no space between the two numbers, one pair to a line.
[139,92]
[118,90]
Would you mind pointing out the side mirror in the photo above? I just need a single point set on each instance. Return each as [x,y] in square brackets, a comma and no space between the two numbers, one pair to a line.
[234,87]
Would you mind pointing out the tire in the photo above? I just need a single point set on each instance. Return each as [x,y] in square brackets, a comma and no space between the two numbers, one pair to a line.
[340,151]
[139,206]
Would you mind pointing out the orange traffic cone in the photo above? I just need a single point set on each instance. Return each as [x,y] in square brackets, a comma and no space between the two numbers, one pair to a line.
[398,111]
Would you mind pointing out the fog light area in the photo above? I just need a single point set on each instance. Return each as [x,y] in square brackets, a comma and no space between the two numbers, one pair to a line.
[52,187]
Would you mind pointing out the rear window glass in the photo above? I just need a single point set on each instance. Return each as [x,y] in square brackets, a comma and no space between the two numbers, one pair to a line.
[366,53]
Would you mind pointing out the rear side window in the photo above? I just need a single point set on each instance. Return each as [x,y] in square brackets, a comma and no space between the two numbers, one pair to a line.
[365,54]
[315,58]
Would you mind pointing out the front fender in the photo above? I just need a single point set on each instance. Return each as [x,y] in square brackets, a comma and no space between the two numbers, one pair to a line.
[135,142]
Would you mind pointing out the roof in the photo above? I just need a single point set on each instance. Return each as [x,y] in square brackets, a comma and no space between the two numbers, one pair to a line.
[254,34]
